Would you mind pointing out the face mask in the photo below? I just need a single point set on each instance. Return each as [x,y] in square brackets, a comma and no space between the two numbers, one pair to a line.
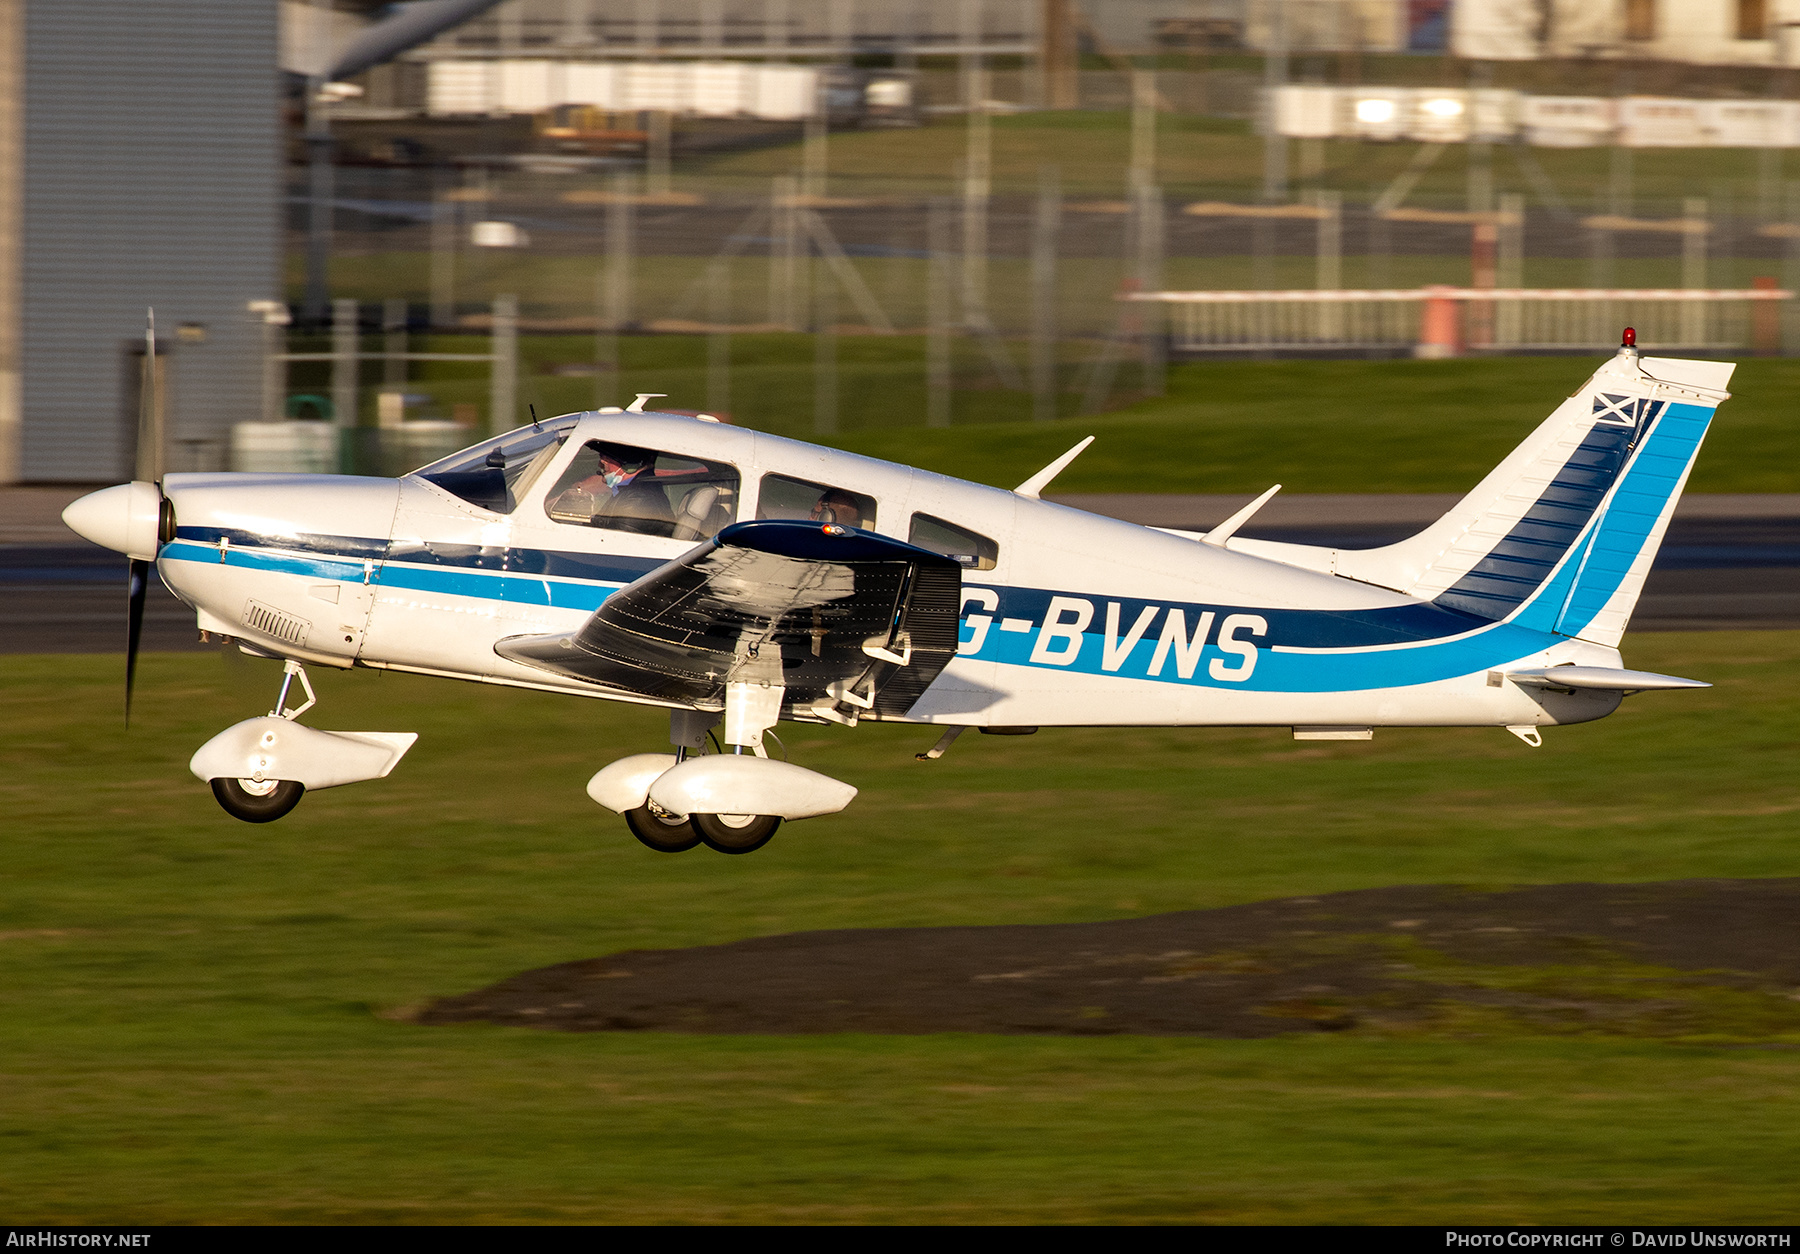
[616,479]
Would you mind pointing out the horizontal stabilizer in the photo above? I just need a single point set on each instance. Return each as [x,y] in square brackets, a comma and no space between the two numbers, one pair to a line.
[1601,679]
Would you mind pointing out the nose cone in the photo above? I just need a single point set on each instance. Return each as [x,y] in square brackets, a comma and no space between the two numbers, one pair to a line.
[123,519]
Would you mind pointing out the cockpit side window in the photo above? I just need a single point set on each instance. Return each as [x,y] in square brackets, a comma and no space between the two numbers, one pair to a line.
[494,474]
[785,497]
[969,549]
[622,487]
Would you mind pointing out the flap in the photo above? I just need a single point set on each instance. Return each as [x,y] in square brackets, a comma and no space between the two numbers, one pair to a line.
[823,611]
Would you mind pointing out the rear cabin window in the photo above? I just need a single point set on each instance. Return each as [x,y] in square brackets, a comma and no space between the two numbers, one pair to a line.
[621,487]
[785,497]
[968,548]
[495,473]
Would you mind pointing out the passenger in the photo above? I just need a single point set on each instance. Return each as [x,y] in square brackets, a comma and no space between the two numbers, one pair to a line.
[625,499]
[837,506]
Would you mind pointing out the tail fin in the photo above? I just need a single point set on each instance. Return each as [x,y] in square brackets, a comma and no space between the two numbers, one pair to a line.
[1561,535]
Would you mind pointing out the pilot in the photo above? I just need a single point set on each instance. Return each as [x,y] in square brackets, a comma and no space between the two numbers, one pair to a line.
[624,497]
[837,506]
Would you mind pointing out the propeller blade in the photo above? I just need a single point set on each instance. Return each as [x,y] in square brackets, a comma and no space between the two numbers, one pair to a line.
[150,436]
[138,586]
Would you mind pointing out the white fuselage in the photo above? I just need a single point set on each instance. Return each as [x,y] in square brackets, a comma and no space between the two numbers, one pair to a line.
[1081,619]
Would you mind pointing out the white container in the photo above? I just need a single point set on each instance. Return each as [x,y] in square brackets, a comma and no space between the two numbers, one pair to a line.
[1494,113]
[526,86]
[285,447]
[657,85]
[1660,122]
[1750,123]
[1568,121]
[1376,112]
[1306,112]
[785,92]
[589,83]
[497,234]
[454,88]
[1438,117]
[722,89]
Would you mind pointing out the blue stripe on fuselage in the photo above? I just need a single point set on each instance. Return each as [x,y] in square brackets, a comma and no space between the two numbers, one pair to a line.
[576,581]
[1295,650]
[564,580]
[1359,648]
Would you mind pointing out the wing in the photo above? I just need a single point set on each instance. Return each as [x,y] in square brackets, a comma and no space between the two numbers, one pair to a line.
[849,622]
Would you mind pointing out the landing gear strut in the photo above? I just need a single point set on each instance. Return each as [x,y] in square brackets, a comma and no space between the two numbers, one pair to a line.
[748,713]
[730,802]
[260,768]
[259,800]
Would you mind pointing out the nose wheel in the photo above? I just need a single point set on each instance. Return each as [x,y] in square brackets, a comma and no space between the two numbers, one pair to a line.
[258,801]
[265,800]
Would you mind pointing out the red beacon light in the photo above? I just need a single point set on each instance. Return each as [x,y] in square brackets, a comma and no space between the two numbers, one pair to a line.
[1630,338]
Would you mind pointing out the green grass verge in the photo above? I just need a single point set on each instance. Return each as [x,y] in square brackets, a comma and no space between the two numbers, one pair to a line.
[675,290]
[1342,426]
[1206,157]
[194,1019]
[1318,426]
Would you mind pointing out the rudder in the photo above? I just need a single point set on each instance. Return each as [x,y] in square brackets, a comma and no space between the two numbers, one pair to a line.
[1561,534]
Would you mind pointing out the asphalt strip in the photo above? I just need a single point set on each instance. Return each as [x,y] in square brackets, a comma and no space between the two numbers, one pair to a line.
[1690,959]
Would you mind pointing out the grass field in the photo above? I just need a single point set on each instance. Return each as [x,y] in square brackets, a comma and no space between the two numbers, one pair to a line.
[1202,156]
[1196,156]
[1331,426]
[675,289]
[204,1021]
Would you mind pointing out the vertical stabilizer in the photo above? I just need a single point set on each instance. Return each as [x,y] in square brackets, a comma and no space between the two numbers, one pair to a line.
[1561,535]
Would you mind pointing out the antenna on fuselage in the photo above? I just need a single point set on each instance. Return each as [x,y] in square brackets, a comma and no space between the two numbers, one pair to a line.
[534,421]
[1041,480]
[1225,530]
[637,406]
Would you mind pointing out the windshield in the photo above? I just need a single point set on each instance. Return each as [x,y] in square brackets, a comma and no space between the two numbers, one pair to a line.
[495,473]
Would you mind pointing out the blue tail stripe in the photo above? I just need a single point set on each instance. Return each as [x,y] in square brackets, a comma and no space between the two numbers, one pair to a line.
[1639,502]
[1524,559]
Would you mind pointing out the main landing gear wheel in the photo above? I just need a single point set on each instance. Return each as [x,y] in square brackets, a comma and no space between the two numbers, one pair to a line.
[663,832]
[735,833]
[258,801]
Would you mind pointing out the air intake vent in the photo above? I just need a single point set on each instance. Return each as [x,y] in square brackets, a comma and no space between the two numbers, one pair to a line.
[269,621]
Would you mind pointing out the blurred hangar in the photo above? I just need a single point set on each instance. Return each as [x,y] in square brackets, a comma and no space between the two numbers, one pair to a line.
[141,164]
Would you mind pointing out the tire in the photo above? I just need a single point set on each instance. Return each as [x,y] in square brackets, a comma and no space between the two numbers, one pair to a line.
[659,833]
[735,833]
[258,803]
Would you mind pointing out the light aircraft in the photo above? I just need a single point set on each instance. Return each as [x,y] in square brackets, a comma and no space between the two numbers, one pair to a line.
[740,579]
